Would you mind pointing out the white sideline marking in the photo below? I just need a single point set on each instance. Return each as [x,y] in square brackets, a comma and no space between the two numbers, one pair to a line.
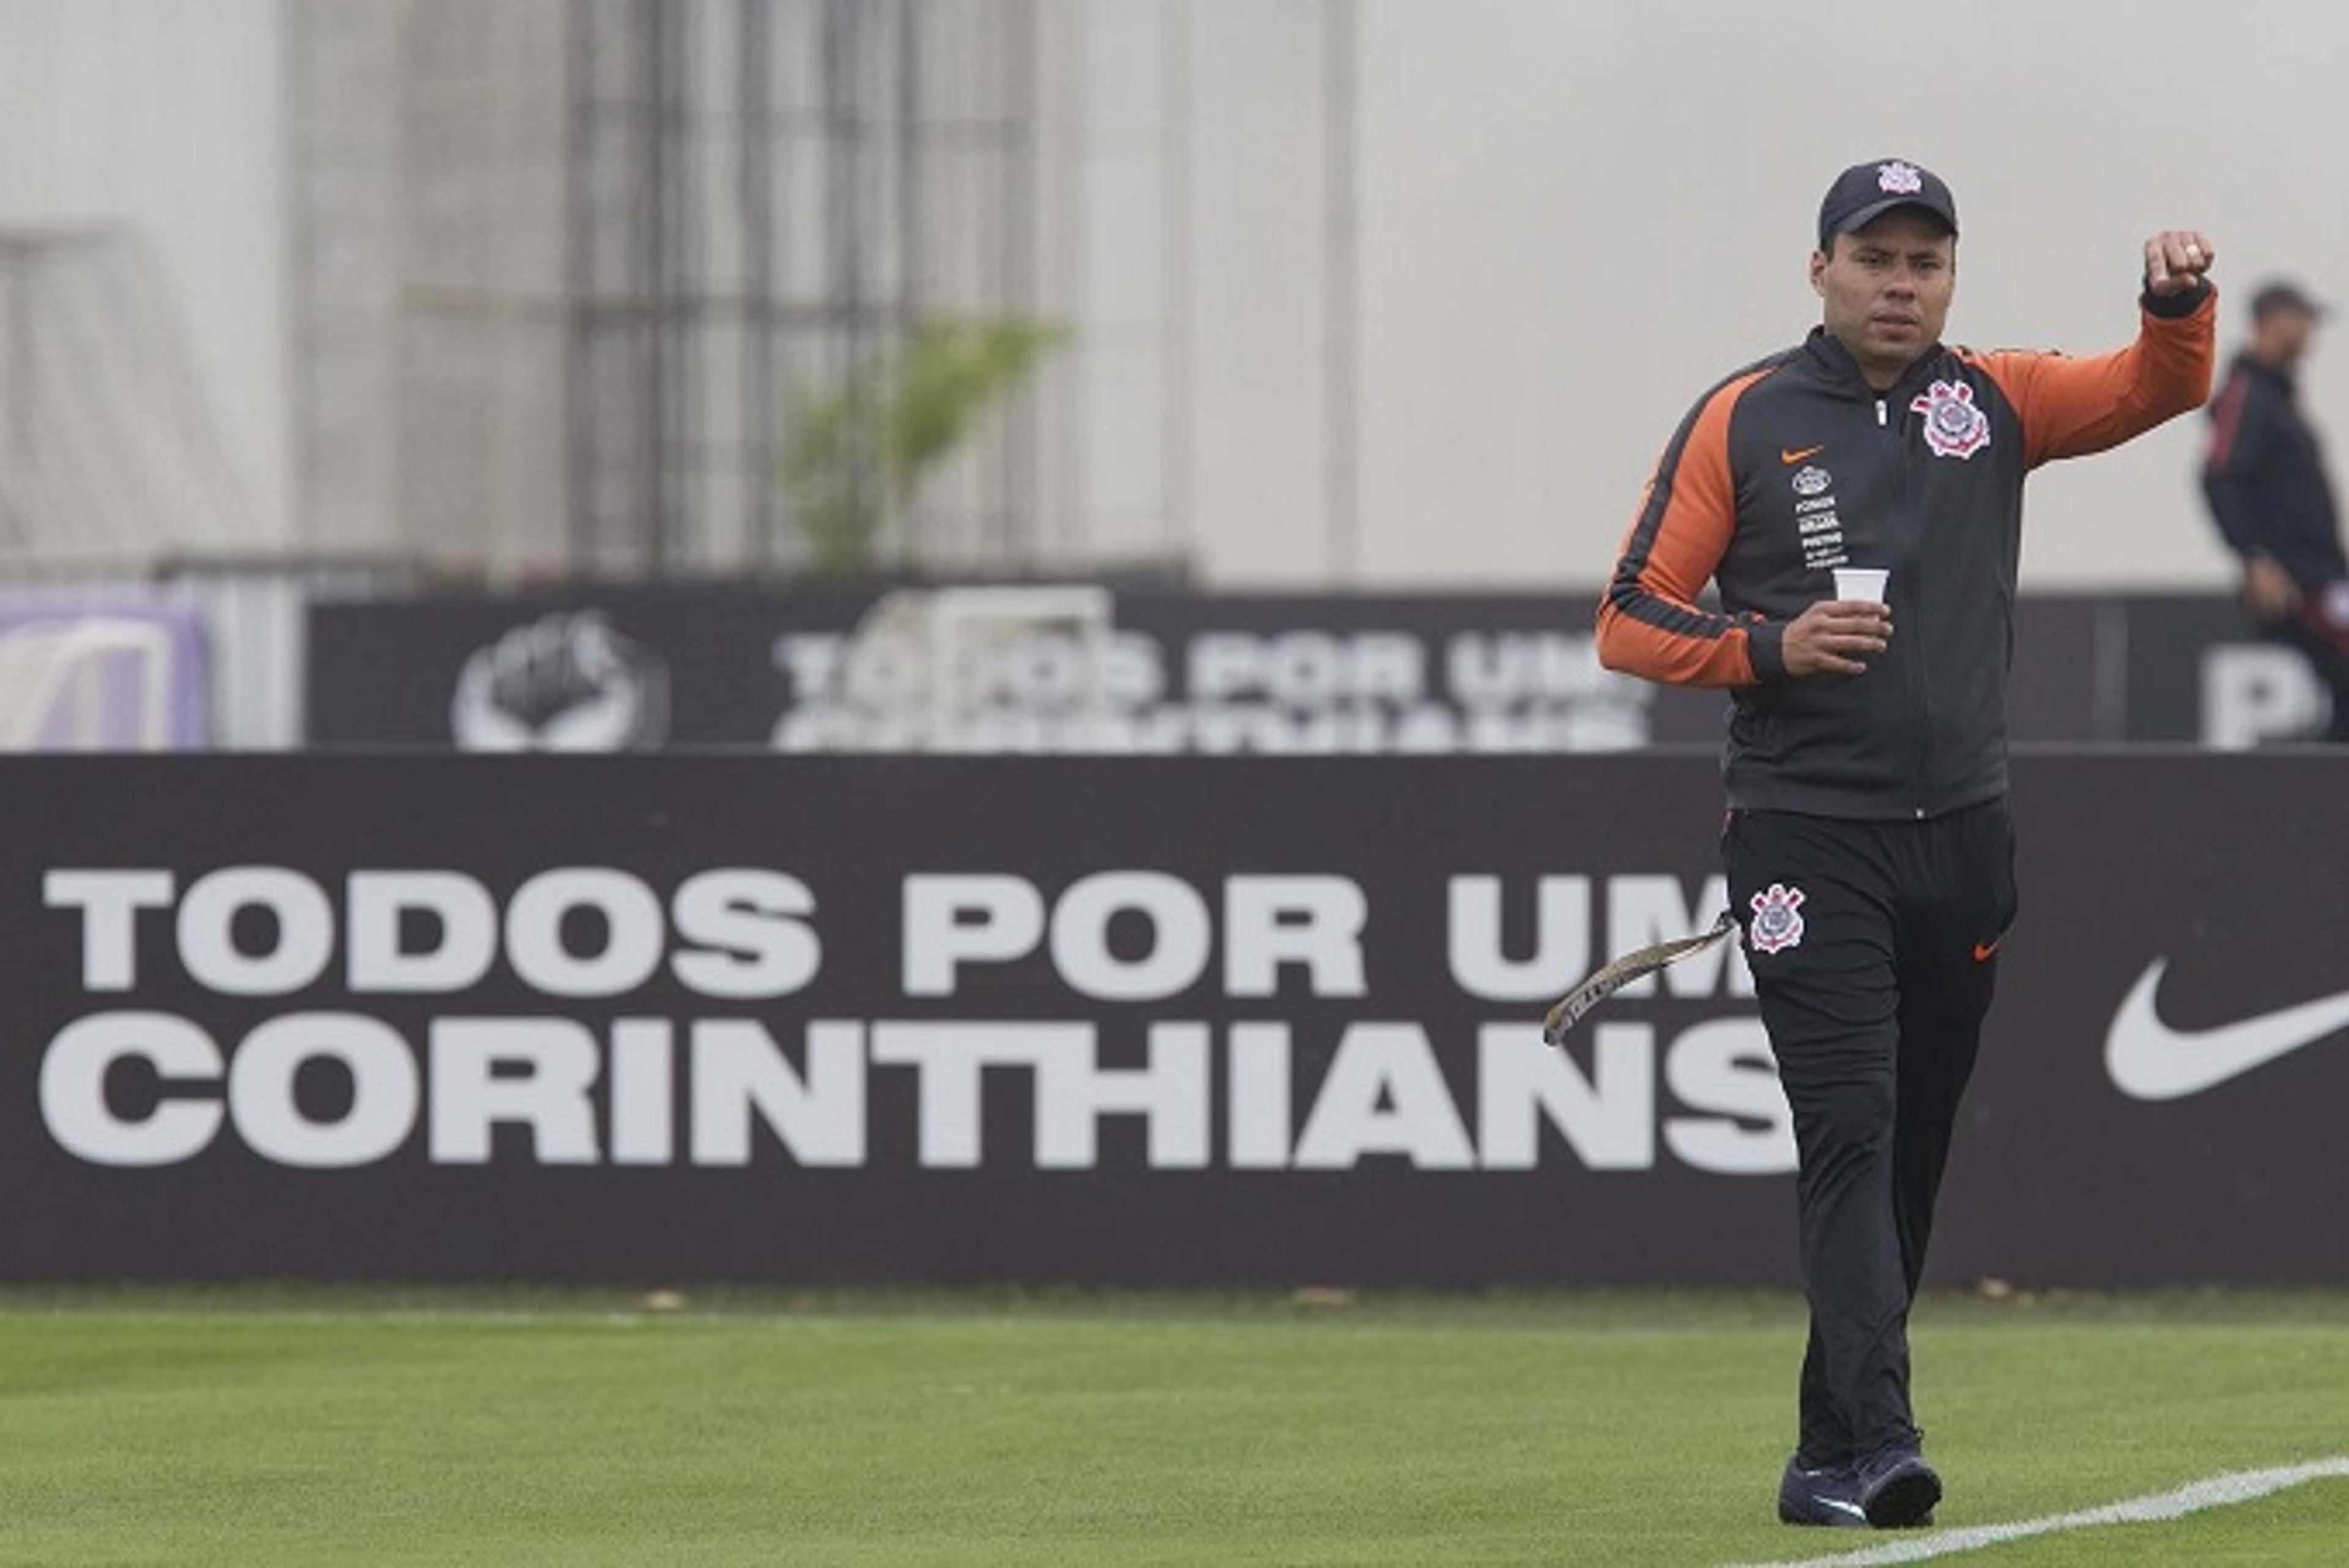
[2216,1491]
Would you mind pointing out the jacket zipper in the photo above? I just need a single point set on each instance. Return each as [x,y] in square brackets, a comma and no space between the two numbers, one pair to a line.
[1921,684]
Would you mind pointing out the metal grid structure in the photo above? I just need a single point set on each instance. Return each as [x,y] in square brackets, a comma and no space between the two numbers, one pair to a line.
[764,197]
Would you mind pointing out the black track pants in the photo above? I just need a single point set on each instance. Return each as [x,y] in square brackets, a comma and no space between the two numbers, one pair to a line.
[1873,946]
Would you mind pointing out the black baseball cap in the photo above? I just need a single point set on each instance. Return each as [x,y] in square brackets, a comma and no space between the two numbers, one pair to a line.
[2280,294]
[1865,191]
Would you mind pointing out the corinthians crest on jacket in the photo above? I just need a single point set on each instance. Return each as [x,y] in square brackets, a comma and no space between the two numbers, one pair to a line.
[1954,427]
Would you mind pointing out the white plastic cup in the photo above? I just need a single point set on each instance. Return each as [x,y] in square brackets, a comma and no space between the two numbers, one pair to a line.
[1862,583]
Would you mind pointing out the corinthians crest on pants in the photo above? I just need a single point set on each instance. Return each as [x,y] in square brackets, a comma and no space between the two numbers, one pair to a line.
[1954,427]
[1777,921]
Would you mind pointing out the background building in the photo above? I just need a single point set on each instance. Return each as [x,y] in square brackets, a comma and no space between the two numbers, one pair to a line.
[1355,292]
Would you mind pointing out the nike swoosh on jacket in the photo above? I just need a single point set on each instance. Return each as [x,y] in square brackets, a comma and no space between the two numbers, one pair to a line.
[2148,1060]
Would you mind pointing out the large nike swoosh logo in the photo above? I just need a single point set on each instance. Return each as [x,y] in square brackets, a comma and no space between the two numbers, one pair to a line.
[1790,457]
[2148,1060]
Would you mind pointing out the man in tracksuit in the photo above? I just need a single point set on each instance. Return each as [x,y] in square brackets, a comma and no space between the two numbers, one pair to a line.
[1869,853]
[2264,477]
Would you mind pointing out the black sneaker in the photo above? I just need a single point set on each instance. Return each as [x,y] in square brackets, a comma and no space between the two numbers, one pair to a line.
[1897,1488]
[1820,1494]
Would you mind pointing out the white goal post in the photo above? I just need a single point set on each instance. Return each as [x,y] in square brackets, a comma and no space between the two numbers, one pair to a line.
[58,684]
[965,642]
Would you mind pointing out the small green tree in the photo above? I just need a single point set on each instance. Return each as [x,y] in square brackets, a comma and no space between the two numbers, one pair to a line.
[858,453]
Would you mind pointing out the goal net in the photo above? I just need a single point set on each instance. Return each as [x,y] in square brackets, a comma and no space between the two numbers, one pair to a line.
[97,683]
[109,454]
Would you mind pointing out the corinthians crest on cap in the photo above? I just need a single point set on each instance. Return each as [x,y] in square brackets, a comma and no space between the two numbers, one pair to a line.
[1898,179]
[1954,426]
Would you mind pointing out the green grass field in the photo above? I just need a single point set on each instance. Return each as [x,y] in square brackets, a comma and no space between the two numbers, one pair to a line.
[339,1427]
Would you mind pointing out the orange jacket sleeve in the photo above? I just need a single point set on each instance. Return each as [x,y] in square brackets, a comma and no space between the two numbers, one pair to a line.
[2072,407]
[1650,624]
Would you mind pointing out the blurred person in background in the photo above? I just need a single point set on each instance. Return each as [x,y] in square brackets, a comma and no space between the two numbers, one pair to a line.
[2264,478]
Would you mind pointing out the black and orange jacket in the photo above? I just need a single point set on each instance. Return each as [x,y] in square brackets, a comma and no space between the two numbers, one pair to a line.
[2265,479]
[1796,465]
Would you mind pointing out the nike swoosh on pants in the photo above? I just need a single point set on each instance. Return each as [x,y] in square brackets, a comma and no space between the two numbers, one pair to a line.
[2148,1060]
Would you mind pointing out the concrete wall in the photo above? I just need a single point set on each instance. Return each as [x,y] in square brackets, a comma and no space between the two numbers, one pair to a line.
[429,278]
[1568,219]
[167,121]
